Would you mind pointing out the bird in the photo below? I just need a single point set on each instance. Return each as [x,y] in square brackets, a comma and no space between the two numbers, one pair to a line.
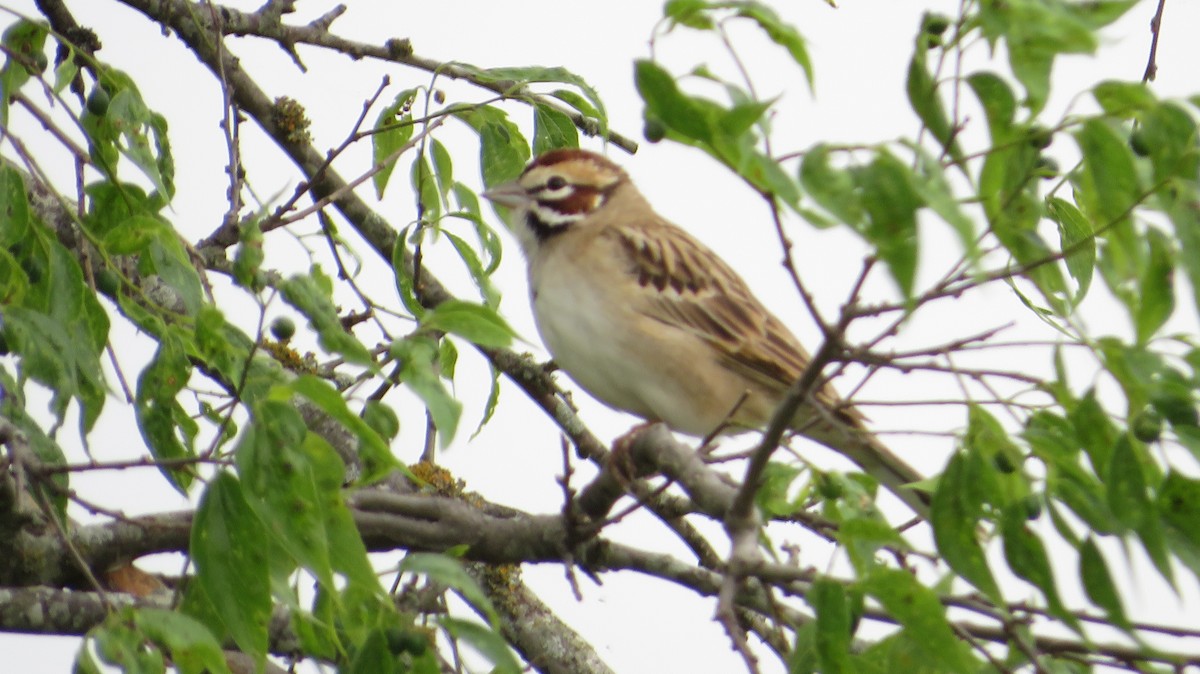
[649,320]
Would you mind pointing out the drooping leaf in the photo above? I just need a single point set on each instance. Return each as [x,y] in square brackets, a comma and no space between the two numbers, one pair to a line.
[165,425]
[922,616]
[418,355]
[552,130]
[834,626]
[925,99]
[475,322]
[1156,286]
[311,295]
[24,44]
[192,648]
[1077,241]
[487,641]
[503,151]
[1027,557]
[374,453]
[393,129]
[231,563]
[1098,583]
[955,513]
[891,204]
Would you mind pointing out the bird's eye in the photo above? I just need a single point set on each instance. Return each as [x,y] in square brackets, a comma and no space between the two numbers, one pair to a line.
[556,183]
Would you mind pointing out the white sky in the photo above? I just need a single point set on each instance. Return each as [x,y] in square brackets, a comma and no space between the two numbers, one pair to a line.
[860,53]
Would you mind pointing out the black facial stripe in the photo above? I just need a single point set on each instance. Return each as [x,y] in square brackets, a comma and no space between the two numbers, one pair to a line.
[542,230]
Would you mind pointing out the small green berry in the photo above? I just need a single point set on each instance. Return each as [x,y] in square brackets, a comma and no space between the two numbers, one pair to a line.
[282,328]
[1147,425]
[654,130]
[1040,137]
[108,282]
[1046,168]
[1139,144]
[97,101]
[936,24]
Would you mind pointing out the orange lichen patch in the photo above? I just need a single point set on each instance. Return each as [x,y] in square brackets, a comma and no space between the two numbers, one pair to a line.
[290,358]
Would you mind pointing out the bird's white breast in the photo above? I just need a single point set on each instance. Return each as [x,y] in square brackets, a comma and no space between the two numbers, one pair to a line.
[578,315]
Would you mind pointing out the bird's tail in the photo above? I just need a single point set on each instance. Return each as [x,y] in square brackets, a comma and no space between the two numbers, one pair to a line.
[863,448]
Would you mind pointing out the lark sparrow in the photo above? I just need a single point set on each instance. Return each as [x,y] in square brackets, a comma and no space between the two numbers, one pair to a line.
[650,321]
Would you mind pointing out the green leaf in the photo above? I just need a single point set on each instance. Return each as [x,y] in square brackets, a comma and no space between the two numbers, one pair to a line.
[834,189]
[443,168]
[542,74]
[1037,32]
[552,130]
[56,355]
[382,419]
[479,274]
[13,279]
[1107,189]
[166,257]
[862,530]
[375,657]
[249,258]
[803,659]
[891,204]
[1084,495]
[925,100]
[192,647]
[922,616]
[667,104]
[393,130]
[503,151]
[132,129]
[690,13]
[376,456]
[999,103]
[1126,481]
[475,322]
[581,104]
[489,408]
[231,563]
[293,480]
[955,513]
[488,642]
[14,207]
[1026,556]
[402,269]
[1009,194]
[1123,99]
[934,189]
[450,572]
[1076,240]
[24,45]
[1098,583]
[772,496]
[420,373]
[780,32]
[165,426]
[424,185]
[1168,134]
[1157,286]
[311,296]
[834,626]
[1178,505]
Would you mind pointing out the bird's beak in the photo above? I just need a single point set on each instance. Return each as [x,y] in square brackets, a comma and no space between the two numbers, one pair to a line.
[508,194]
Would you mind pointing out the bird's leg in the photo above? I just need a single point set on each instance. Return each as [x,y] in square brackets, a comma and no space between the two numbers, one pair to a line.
[621,460]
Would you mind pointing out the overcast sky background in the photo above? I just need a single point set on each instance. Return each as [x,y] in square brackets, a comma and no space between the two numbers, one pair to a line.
[860,53]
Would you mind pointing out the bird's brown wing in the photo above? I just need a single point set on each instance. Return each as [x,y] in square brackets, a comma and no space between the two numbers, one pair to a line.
[689,288]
